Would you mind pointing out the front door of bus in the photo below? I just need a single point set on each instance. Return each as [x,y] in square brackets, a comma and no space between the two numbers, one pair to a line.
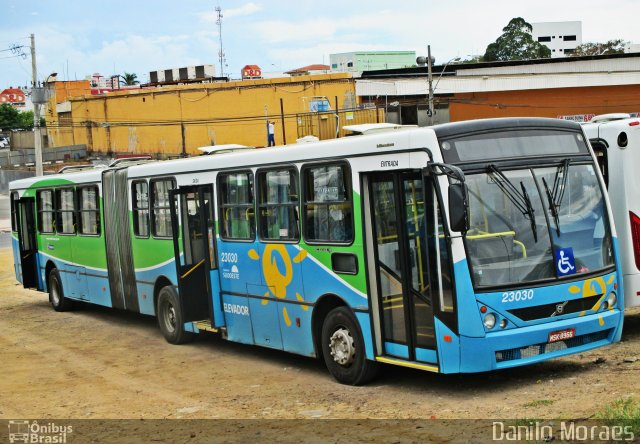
[193,239]
[27,242]
[397,219]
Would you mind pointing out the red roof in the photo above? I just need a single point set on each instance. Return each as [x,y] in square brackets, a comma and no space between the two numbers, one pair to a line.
[316,67]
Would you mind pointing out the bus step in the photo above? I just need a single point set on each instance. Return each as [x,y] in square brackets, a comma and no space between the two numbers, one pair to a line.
[419,365]
[205,325]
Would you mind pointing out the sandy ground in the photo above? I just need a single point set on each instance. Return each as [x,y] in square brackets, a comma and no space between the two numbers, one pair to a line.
[101,363]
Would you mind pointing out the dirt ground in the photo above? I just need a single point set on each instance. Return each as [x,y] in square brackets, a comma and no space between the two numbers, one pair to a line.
[98,363]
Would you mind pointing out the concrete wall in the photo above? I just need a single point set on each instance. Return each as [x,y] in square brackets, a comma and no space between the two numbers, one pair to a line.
[21,140]
[169,121]
[7,176]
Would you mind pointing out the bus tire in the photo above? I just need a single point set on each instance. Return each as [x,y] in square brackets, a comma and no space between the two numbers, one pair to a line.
[56,293]
[170,319]
[343,349]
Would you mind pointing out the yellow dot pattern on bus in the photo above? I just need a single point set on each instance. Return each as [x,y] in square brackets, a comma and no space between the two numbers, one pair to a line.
[276,281]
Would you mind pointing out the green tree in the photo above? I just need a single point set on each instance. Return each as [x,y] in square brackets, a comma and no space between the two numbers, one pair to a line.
[130,78]
[9,117]
[472,59]
[12,119]
[516,43]
[616,46]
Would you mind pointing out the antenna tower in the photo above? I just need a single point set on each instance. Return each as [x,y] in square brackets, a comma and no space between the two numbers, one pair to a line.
[221,52]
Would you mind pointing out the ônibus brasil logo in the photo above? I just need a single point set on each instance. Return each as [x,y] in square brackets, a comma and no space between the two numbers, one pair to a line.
[33,432]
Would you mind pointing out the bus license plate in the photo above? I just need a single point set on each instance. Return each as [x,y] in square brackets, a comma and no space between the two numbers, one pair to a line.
[561,335]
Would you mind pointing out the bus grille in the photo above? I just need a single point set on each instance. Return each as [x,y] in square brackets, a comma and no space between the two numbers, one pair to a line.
[540,349]
[548,310]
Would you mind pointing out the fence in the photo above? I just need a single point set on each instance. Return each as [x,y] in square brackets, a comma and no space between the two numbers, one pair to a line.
[328,125]
[24,157]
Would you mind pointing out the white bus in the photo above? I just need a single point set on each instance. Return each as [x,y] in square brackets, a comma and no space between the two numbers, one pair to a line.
[615,139]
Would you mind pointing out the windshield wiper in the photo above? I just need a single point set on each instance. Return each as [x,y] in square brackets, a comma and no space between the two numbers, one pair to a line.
[552,207]
[520,199]
[555,195]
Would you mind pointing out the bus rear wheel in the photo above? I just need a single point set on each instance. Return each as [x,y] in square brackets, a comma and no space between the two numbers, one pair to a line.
[343,349]
[170,319]
[56,294]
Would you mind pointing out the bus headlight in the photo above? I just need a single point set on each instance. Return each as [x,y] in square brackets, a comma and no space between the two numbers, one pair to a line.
[611,300]
[489,320]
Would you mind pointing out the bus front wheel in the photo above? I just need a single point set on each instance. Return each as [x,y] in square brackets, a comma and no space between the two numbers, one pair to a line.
[56,294]
[170,319]
[343,349]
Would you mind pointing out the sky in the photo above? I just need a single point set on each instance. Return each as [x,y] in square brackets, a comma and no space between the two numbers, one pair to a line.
[79,38]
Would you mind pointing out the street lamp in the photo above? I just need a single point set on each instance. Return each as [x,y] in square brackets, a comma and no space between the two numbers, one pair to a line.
[432,87]
[39,96]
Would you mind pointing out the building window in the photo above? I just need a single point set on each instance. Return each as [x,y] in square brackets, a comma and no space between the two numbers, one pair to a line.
[89,210]
[64,120]
[569,38]
[160,209]
[334,66]
[569,51]
[65,211]
[349,64]
[278,202]
[46,211]
[544,39]
[236,206]
[328,206]
[140,208]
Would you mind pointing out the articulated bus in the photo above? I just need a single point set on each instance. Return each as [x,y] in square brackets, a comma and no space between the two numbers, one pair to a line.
[615,139]
[464,247]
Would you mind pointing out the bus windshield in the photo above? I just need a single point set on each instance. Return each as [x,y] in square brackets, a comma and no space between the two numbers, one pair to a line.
[532,224]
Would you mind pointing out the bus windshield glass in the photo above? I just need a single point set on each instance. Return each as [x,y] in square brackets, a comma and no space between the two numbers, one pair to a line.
[508,144]
[534,224]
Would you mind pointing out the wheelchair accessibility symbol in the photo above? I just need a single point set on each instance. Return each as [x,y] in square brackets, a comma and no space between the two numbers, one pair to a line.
[565,263]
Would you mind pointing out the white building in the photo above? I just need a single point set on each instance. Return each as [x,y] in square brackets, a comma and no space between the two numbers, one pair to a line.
[561,38]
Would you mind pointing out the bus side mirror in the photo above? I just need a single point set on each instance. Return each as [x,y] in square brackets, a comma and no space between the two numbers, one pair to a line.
[458,207]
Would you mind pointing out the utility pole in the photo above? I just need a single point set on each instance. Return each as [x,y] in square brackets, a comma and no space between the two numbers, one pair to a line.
[430,80]
[36,110]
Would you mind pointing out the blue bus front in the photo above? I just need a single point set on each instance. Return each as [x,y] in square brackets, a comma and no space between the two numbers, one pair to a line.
[539,278]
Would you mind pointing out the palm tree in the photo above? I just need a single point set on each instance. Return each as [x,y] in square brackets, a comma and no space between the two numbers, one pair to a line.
[129,78]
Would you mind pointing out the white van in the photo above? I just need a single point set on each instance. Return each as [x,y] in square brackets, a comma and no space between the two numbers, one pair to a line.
[615,139]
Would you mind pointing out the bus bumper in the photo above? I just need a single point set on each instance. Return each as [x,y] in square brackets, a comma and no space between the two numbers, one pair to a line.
[527,345]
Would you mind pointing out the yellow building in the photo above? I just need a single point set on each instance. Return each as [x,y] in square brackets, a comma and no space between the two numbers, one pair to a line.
[176,120]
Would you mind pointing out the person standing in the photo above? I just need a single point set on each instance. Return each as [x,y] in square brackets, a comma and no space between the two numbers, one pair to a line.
[271,139]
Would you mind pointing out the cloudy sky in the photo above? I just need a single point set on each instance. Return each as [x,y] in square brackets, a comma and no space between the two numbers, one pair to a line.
[77,38]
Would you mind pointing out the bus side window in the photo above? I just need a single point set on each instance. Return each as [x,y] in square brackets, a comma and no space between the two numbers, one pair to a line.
[600,150]
[236,213]
[89,210]
[46,211]
[328,204]
[278,205]
[160,210]
[14,211]
[140,207]
[65,211]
